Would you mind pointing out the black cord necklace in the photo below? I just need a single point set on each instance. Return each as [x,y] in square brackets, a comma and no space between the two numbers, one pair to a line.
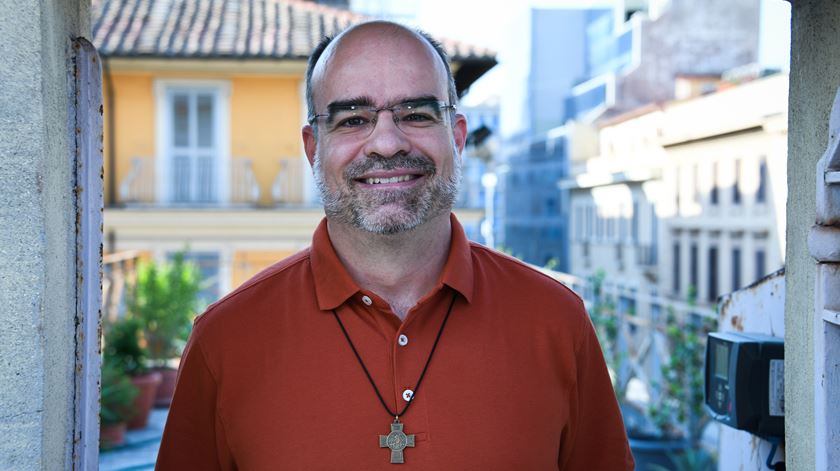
[397,440]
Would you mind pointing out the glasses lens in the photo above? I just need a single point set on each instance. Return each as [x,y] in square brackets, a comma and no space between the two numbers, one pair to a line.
[412,116]
[359,121]
[350,120]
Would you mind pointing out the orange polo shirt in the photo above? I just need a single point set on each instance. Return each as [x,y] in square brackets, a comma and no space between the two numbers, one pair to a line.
[518,382]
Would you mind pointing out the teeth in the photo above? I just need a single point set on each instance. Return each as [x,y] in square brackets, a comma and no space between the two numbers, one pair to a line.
[376,181]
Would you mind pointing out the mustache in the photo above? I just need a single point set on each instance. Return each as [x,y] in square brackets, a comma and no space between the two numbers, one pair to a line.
[410,162]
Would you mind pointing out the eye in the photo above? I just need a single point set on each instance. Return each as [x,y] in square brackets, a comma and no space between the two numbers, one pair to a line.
[349,120]
[352,121]
[419,115]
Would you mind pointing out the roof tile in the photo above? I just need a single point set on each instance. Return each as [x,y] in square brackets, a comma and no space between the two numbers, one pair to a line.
[279,29]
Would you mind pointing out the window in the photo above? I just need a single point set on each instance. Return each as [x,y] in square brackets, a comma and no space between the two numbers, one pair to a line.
[622,227]
[551,206]
[589,222]
[694,273]
[760,262]
[610,228]
[654,233]
[578,222]
[192,141]
[736,269]
[193,147]
[761,191]
[655,311]
[635,222]
[675,260]
[599,225]
[736,185]
[695,183]
[713,274]
[713,193]
[677,192]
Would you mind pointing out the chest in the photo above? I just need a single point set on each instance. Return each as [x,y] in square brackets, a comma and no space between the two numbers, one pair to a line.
[490,399]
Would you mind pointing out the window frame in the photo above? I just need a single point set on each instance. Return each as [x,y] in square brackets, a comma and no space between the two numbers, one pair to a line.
[164,89]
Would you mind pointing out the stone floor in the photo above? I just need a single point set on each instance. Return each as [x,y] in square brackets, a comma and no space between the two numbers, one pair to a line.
[140,449]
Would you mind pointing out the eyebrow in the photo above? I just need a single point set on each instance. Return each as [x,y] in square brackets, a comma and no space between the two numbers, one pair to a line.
[368,101]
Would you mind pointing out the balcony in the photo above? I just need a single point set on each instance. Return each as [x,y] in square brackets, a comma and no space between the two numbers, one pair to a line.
[200,183]
[647,259]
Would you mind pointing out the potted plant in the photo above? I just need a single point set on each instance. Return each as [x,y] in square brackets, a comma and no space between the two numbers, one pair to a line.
[116,405]
[125,347]
[164,299]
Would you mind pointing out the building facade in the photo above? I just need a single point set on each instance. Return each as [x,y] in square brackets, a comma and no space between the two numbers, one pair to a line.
[626,57]
[686,200]
[203,109]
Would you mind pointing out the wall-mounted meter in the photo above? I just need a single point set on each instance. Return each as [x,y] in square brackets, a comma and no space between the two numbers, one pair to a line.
[745,382]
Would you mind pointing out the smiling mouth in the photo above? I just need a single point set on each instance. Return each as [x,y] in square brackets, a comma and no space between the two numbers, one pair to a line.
[396,179]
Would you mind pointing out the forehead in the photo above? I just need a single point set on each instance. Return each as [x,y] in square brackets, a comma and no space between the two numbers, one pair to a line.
[385,63]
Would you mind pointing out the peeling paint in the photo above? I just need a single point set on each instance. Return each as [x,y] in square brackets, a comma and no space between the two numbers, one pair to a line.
[757,308]
[736,323]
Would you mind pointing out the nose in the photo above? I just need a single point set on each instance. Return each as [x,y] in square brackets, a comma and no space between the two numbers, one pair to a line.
[386,139]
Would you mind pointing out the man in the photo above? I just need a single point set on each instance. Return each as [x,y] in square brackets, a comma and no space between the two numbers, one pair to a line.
[392,340]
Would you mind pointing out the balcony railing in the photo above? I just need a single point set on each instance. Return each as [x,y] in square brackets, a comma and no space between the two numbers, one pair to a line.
[140,185]
[287,188]
[640,326]
[119,273]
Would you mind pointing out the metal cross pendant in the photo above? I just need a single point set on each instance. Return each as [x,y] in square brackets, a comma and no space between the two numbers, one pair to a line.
[397,440]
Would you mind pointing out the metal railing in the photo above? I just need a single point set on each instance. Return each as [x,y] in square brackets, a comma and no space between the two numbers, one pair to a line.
[639,346]
[141,183]
[287,188]
[119,273]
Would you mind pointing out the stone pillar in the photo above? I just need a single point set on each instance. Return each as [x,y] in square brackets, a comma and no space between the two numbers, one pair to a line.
[814,79]
[38,282]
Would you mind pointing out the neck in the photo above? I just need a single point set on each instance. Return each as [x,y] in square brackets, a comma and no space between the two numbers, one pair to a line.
[400,268]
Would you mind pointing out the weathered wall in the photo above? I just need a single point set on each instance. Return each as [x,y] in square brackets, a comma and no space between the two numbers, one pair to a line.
[758,309]
[814,78]
[37,232]
[688,39]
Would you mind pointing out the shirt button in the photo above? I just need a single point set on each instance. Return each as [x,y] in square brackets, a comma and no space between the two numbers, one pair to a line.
[407,395]
[403,340]
[366,299]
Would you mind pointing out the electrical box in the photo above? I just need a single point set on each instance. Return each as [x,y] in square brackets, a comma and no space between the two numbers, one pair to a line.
[745,382]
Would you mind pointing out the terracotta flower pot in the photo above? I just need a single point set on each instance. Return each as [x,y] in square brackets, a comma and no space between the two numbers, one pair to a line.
[167,386]
[147,385]
[111,435]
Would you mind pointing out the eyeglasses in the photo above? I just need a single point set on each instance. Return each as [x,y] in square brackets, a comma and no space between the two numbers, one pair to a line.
[357,121]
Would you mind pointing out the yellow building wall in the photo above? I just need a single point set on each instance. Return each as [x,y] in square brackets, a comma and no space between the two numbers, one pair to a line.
[248,263]
[134,124]
[265,120]
[265,125]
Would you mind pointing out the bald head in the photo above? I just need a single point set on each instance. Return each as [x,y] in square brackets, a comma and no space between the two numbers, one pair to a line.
[372,38]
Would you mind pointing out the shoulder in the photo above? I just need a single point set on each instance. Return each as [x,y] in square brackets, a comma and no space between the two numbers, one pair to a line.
[508,272]
[271,279]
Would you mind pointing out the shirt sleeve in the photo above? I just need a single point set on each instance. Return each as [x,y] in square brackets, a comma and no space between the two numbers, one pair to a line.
[194,435]
[595,437]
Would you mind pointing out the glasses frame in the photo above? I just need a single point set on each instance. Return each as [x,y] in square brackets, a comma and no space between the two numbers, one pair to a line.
[443,106]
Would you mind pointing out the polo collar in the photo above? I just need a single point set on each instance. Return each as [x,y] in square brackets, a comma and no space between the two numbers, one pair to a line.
[334,285]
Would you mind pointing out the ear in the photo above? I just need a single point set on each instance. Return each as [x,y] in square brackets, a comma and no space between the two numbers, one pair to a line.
[310,143]
[459,132]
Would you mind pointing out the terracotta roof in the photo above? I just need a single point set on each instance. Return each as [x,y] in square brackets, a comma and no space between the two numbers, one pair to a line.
[243,29]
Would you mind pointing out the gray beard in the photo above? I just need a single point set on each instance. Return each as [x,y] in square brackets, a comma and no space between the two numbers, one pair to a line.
[348,205]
